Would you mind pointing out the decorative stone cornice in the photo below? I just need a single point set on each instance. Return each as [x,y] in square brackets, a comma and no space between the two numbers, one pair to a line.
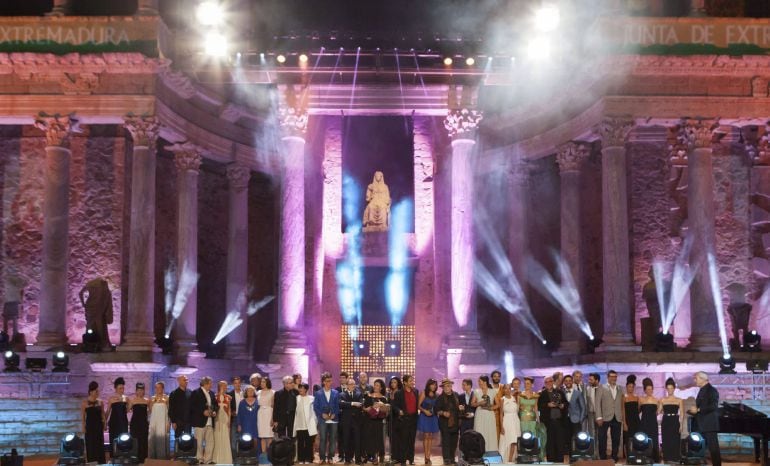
[677,145]
[57,128]
[614,131]
[701,134]
[292,120]
[570,156]
[143,129]
[187,157]
[238,175]
[758,150]
[462,123]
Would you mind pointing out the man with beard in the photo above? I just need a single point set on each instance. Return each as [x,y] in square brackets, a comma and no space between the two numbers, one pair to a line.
[552,407]
[448,409]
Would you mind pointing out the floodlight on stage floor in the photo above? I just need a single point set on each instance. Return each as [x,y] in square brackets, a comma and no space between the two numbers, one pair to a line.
[60,361]
[448,61]
[664,342]
[281,452]
[641,449]
[246,450]
[470,61]
[529,448]
[12,361]
[91,341]
[752,342]
[186,448]
[71,450]
[583,448]
[125,450]
[473,447]
[727,365]
[696,449]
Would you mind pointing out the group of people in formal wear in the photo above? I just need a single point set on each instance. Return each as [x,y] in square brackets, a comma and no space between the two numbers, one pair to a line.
[350,422]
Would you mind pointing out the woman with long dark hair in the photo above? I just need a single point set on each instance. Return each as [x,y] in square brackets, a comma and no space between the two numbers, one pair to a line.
[92,411]
[376,408]
[671,425]
[427,422]
[485,402]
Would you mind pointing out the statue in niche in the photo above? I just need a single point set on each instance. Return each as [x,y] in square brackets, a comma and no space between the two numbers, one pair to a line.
[377,212]
[97,301]
[739,311]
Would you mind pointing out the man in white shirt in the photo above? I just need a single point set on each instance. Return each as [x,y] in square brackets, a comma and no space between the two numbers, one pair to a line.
[609,415]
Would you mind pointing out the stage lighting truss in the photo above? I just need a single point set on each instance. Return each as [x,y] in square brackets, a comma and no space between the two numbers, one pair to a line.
[378,349]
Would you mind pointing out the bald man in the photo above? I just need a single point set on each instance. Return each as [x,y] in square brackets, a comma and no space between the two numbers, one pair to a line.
[179,407]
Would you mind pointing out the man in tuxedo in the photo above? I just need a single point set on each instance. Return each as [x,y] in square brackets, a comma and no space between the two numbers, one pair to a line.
[553,408]
[466,410]
[236,395]
[351,420]
[179,407]
[203,409]
[284,407]
[448,410]
[591,388]
[326,404]
[341,425]
[609,415]
[404,407]
[576,408]
[707,415]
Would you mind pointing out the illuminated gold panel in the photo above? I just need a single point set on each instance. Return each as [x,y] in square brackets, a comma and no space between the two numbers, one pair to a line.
[376,336]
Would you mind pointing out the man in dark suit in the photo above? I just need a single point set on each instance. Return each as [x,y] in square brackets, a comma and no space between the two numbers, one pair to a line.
[179,407]
[707,415]
[236,395]
[404,407]
[341,425]
[448,410]
[203,409]
[352,418]
[553,408]
[284,407]
[467,411]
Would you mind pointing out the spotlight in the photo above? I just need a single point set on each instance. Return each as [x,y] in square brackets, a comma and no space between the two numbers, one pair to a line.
[529,448]
[664,343]
[470,61]
[594,343]
[12,361]
[392,348]
[210,13]
[641,444]
[125,450]
[90,341]
[186,447]
[281,58]
[360,348]
[246,450]
[61,362]
[696,449]
[539,48]
[752,342]
[303,58]
[583,448]
[472,446]
[166,344]
[547,18]
[727,365]
[448,61]
[215,44]
[281,452]
[71,450]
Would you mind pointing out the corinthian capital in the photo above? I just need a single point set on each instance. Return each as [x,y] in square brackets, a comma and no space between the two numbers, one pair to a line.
[614,131]
[570,156]
[292,120]
[238,175]
[462,123]
[758,149]
[700,134]
[143,129]
[57,128]
[187,157]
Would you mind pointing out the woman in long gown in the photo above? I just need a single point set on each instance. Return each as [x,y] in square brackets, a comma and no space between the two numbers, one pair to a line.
[376,408]
[528,413]
[265,414]
[160,425]
[92,411]
[484,420]
[630,413]
[671,425]
[223,454]
[510,430]
[117,411]
[140,421]
[247,414]
[650,407]
[427,421]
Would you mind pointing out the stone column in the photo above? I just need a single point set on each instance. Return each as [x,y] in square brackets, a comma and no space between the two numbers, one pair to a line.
[518,248]
[187,159]
[290,349]
[237,255]
[618,304]
[141,255]
[570,157]
[700,137]
[465,344]
[53,286]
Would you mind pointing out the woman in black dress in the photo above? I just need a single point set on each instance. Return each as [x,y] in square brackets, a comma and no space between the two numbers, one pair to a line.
[394,385]
[140,427]
[93,425]
[630,413]
[117,411]
[650,408]
[671,425]
[376,408]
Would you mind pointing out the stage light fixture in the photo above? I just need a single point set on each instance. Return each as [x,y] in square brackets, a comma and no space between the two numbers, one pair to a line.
[186,447]
[60,361]
[641,446]
[473,447]
[757,366]
[547,18]
[210,13]
[125,450]
[448,61]
[281,452]
[71,450]
[215,44]
[303,58]
[392,348]
[583,448]
[281,58]
[246,450]
[360,348]
[529,448]
[727,365]
[90,342]
[752,342]
[470,61]
[12,361]
[35,364]
[696,449]
[664,342]
[166,344]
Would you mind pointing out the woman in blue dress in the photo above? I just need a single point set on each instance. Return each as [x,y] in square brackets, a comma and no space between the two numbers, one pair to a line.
[247,414]
[427,422]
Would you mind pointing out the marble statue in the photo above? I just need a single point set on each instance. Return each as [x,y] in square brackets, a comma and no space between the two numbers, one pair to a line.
[377,212]
[739,311]
[97,301]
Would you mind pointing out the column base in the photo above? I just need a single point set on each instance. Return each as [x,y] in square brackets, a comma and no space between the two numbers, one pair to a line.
[143,341]
[237,351]
[48,341]
[700,342]
[465,355]
[290,353]
[618,342]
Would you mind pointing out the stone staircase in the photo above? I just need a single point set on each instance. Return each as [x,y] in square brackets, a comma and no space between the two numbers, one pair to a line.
[36,426]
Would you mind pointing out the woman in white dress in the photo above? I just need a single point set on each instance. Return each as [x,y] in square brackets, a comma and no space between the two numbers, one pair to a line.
[511,428]
[222,451]
[265,413]
[159,424]
[484,421]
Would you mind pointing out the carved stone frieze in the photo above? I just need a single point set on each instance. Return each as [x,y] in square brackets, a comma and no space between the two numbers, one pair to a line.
[187,157]
[143,129]
[462,123]
[572,155]
[238,175]
[292,120]
[57,128]
[614,131]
